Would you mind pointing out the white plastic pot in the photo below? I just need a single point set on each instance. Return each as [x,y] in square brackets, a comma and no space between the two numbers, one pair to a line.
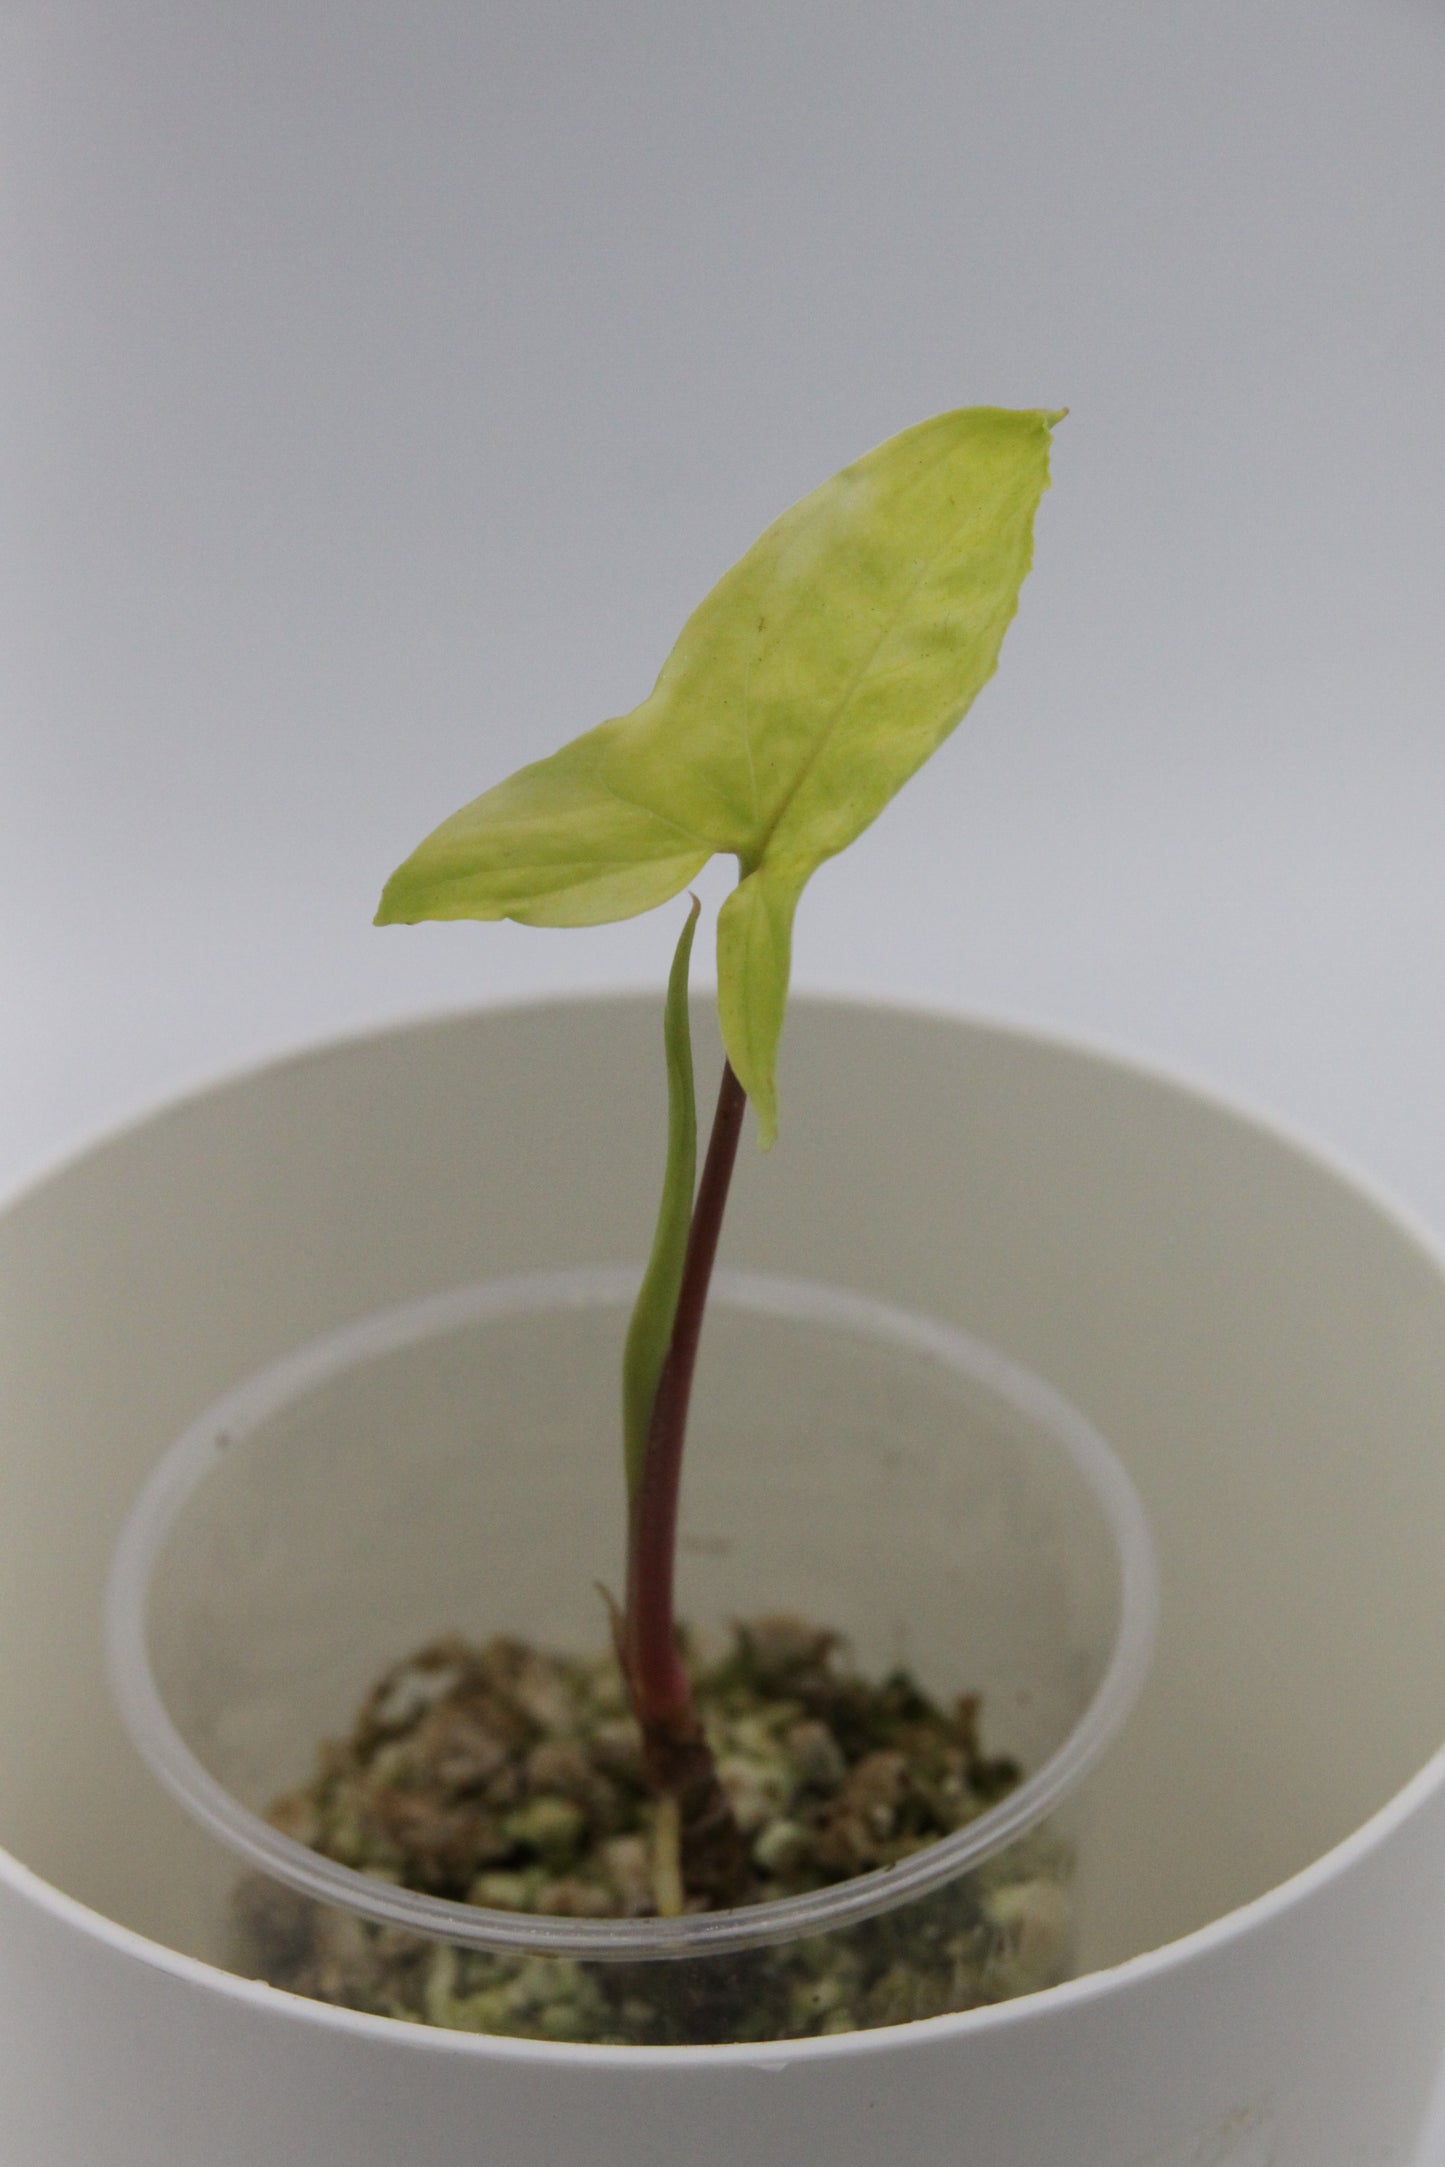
[1263,1343]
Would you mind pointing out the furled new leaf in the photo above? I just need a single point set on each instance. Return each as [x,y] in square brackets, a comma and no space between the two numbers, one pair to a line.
[802,693]
[650,1330]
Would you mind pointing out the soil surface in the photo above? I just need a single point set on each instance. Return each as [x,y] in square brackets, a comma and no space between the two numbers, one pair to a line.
[510,1777]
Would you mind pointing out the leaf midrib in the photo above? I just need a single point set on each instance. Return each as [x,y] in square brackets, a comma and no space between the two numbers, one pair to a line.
[842,703]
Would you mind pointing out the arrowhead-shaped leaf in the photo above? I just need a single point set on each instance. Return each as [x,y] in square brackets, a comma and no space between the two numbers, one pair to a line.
[802,693]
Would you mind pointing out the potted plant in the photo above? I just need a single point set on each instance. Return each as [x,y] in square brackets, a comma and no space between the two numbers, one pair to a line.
[813,680]
[1269,1986]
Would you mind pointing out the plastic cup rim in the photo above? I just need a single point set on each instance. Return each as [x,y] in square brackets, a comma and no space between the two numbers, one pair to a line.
[228,1421]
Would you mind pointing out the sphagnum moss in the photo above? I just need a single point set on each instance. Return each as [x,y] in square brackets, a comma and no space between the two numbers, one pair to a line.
[511,1777]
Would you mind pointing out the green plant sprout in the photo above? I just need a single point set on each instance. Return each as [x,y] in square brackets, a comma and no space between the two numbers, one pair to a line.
[817,676]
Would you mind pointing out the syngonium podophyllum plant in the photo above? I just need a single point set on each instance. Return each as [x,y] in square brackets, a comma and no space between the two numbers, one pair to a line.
[814,679]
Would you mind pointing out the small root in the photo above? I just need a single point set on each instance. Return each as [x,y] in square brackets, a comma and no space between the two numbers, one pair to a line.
[667,1890]
[679,1766]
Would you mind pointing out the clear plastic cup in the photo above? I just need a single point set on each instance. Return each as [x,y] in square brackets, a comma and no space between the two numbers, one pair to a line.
[453,1467]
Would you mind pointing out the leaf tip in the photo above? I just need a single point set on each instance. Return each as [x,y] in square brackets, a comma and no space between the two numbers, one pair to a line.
[390,911]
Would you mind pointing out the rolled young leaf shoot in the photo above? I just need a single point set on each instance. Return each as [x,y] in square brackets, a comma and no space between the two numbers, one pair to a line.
[656,1305]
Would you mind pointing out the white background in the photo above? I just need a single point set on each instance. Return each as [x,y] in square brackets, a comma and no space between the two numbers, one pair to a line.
[385,382]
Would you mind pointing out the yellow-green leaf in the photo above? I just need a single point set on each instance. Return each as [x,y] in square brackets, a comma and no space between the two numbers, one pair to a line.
[814,679]
[553,845]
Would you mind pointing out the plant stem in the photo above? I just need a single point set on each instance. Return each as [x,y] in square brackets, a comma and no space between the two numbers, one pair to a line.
[677,1758]
[659,1681]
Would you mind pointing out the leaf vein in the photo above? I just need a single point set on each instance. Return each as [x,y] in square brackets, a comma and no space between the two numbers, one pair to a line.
[840,706]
